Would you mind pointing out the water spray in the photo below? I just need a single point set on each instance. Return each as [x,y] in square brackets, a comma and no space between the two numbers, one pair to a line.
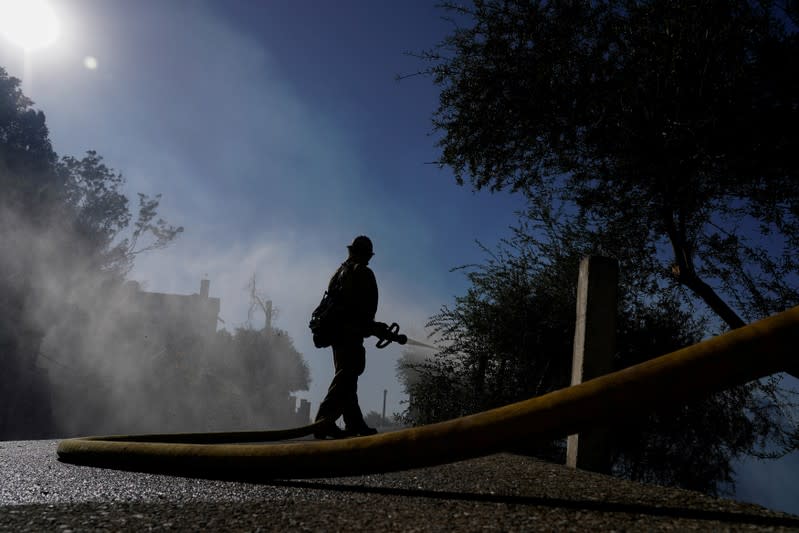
[414,342]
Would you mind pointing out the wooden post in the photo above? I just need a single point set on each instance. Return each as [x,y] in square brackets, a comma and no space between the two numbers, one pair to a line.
[594,346]
[383,421]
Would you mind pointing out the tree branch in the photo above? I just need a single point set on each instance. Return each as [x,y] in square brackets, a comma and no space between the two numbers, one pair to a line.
[684,273]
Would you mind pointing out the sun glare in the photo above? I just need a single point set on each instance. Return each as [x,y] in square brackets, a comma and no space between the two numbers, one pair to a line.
[29,24]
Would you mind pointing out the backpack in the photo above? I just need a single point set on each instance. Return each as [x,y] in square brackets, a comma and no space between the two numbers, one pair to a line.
[326,318]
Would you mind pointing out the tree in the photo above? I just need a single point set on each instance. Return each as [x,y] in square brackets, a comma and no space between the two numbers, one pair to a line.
[100,215]
[261,368]
[65,232]
[674,119]
[663,131]
[262,364]
[510,338]
[27,159]
[259,301]
[70,209]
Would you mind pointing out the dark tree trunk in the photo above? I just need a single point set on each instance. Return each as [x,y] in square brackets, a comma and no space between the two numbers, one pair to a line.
[709,296]
[685,273]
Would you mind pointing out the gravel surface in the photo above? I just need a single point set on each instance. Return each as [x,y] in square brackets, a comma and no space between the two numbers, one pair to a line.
[497,493]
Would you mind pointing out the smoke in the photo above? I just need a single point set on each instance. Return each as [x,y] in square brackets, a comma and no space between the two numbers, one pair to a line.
[408,366]
[110,356]
[84,352]
[293,269]
[310,174]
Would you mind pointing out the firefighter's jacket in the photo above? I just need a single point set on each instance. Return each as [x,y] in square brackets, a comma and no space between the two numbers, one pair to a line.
[356,287]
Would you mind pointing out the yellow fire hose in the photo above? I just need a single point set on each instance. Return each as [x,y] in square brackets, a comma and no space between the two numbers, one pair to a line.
[752,352]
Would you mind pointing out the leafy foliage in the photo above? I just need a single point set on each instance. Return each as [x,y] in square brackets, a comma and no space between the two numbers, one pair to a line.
[100,214]
[510,338]
[674,118]
[261,366]
[265,363]
[660,133]
[65,232]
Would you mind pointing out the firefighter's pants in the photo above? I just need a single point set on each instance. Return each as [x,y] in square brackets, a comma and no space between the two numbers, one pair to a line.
[349,359]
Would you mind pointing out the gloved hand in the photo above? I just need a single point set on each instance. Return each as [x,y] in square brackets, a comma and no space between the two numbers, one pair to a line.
[379,330]
[387,334]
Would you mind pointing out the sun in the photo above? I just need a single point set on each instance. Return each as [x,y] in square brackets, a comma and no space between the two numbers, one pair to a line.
[29,24]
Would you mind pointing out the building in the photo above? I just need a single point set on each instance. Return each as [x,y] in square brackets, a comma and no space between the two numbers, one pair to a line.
[178,321]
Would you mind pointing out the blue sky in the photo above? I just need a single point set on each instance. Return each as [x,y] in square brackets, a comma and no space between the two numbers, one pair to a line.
[276,132]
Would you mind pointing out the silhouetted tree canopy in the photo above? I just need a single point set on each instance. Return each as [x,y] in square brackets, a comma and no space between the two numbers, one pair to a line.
[27,159]
[265,363]
[66,230]
[75,203]
[510,338]
[660,133]
[260,368]
[101,215]
[674,119]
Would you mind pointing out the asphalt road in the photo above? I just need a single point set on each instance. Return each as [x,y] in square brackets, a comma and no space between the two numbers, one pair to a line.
[496,493]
